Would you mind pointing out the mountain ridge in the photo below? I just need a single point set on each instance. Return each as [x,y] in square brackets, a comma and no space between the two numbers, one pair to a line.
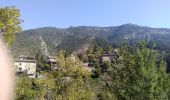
[73,38]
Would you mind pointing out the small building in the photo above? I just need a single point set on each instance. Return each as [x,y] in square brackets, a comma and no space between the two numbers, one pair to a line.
[25,66]
[88,66]
[116,50]
[107,57]
[52,61]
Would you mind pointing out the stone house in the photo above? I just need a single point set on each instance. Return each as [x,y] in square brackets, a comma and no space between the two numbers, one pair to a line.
[88,66]
[25,66]
[107,57]
[52,61]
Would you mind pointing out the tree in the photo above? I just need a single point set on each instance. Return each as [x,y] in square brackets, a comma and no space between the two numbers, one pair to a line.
[106,95]
[72,79]
[97,50]
[140,76]
[105,67]
[9,23]
[109,49]
[44,87]
[143,73]
[163,86]
[24,89]
[41,61]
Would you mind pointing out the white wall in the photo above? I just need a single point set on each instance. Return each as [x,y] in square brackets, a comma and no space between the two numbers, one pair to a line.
[30,67]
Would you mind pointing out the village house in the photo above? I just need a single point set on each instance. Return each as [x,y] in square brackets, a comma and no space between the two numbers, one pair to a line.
[52,61]
[26,66]
[116,50]
[88,66]
[104,57]
[107,57]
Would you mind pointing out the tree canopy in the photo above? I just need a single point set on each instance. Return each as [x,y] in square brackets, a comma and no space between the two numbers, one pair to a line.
[9,23]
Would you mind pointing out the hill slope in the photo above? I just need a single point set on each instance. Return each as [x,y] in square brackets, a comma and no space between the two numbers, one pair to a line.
[50,40]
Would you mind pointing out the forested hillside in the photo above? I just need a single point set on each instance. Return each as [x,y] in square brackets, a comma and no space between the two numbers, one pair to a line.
[77,38]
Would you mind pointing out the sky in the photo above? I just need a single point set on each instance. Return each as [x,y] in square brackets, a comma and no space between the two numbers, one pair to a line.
[65,13]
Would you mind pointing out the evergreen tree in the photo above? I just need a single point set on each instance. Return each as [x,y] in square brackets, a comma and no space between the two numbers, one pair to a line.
[139,76]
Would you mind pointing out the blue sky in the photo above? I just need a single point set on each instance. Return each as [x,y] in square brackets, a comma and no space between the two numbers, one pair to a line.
[65,13]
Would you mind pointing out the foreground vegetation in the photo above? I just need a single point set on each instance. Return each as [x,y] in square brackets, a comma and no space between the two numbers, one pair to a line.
[137,73]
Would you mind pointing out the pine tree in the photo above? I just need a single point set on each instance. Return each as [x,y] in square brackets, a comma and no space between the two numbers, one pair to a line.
[139,76]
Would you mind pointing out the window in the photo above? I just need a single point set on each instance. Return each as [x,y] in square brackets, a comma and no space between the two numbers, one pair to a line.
[20,68]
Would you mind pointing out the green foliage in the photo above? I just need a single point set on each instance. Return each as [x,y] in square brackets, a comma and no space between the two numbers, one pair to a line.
[96,73]
[106,95]
[9,23]
[105,67]
[167,58]
[44,87]
[41,62]
[140,75]
[136,73]
[72,80]
[24,89]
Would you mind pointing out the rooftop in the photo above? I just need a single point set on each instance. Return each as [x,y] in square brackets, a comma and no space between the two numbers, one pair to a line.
[21,60]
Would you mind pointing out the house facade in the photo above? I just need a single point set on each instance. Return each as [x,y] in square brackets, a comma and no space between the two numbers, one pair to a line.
[52,61]
[26,66]
[107,57]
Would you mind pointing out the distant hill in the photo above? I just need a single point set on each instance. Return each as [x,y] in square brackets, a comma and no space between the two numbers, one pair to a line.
[75,39]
